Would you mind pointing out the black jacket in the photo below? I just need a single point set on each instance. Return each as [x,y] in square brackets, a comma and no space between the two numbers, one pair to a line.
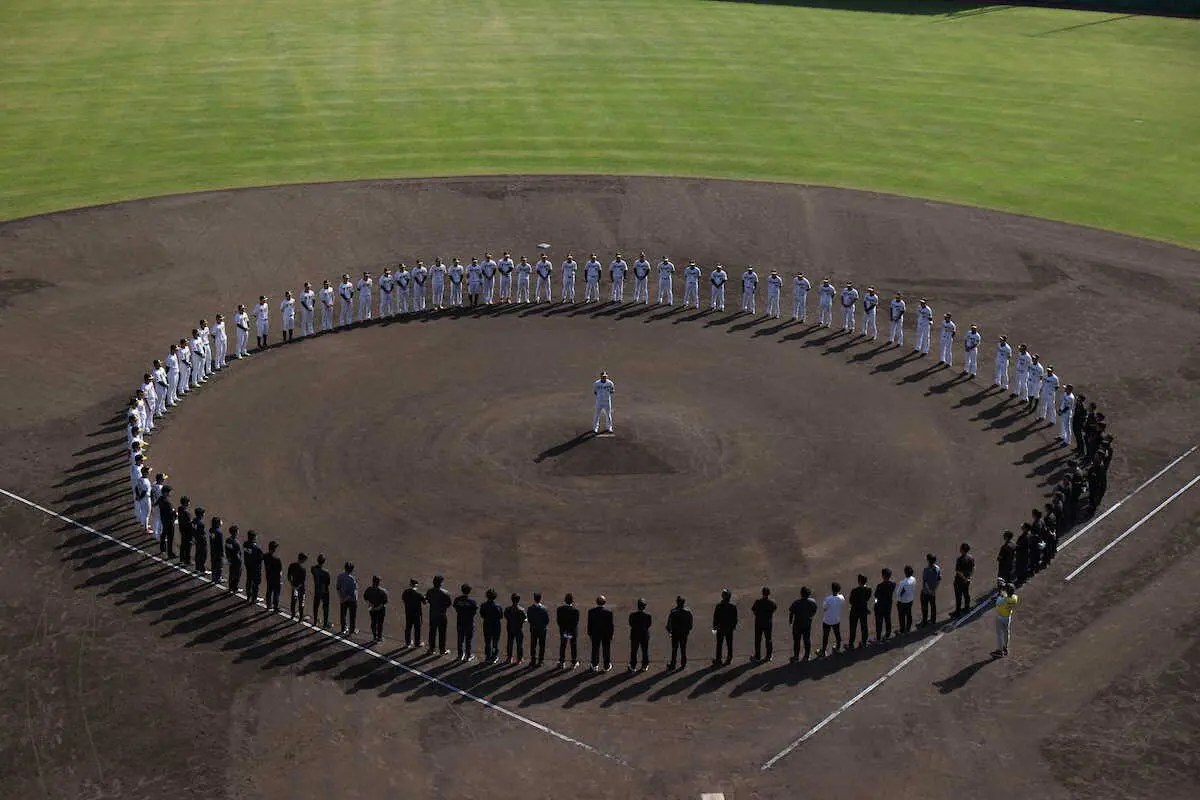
[273,566]
[639,624]
[233,553]
[492,613]
[320,581]
[515,616]
[763,610]
[184,517]
[252,557]
[964,566]
[412,600]
[296,575]
[439,601]
[860,598]
[568,619]
[466,607]
[725,616]
[539,617]
[802,612]
[679,621]
[376,597]
[600,622]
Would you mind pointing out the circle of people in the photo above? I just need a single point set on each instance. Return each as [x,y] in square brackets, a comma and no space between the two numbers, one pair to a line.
[222,556]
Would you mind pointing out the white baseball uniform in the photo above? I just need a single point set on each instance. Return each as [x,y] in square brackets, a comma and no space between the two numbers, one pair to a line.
[346,290]
[366,288]
[849,301]
[457,275]
[524,270]
[749,291]
[541,291]
[1033,381]
[617,270]
[403,289]
[172,378]
[1049,405]
[949,329]
[1003,356]
[718,279]
[474,279]
[387,295]
[241,324]
[971,353]
[1066,412]
[774,289]
[308,312]
[800,290]
[437,285]
[162,389]
[666,282]
[1024,362]
[825,295]
[505,267]
[420,275]
[327,308]
[641,281]
[896,311]
[691,286]
[604,390]
[262,316]
[924,328]
[569,268]
[287,313]
[221,343]
[489,279]
[870,310]
[591,277]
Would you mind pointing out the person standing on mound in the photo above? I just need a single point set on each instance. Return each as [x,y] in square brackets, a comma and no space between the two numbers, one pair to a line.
[603,389]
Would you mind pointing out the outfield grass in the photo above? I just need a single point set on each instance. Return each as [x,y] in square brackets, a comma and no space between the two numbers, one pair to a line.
[1080,116]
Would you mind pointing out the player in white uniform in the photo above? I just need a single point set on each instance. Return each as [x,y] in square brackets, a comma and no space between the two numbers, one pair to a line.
[326,295]
[1066,413]
[366,287]
[604,390]
[924,327]
[666,281]
[691,285]
[148,401]
[387,295]
[544,269]
[896,311]
[162,387]
[287,313]
[346,291]
[949,331]
[241,327]
[718,279]
[616,271]
[437,285]
[196,350]
[591,277]
[474,281]
[971,352]
[220,342]
[825,295]
[206,342]
[774,289]
[403,288]
[641,279]
[456,274]
[308,310]
[569,268]
[420,276]
[1048,410]
[1033,381]
[849,302]
[141,500]
[750,290]
[870,310]
[801,286]
[505,267]
[489,278]
[524,270]
[1004,354]
[173,376]
[184,351]
[1023,361]
[262,318]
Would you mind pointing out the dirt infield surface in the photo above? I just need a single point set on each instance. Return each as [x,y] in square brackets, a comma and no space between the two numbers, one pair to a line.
[749,452]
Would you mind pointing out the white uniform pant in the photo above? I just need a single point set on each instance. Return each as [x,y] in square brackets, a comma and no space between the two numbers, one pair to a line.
[870,328]
[185,376]
[1064,425]
[1001,377]
[971,357]
[172,387]
[603,407]
[264,329]
[402,301]
[718,298]
[748,301]
[591,291]
[923,329]
[385,304]
[848,318]
[306,322]
[347,315]
[240,344]
[618,290]
[437,295]
[141,511]
[289,324]
[364,306]
[772,304]
[419,299]
[326,317]
[206,362]
[197,372]
[947,355]
[542,292]
[474,288]
[506,287]
[1048,409]
[800,306]
[691,294]
[896,332]
[489,289]
[666,288]
[1022,384]
[825,313]
[455,293]
[641,290]
[160,399]
[1034,386]
[222,345]
[568,288]
[148,416]
[522,288]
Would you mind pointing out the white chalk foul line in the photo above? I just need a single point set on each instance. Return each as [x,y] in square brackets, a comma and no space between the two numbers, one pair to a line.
[562,737]
[814,730]
[1132,528]
[1063,545]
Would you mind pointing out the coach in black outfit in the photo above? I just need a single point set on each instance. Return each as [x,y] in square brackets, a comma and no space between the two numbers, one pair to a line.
[200,540]
[679,625]
[252,557]
[465,609]
[184,516]
[600,630]
[567,616]
[273,569]
[725,620]
[800,615]
[321,579]
[885,593]
[964,568]
[413,601]
[233,556]
[539,621]
[639,635]
[297,576]
[514,624]
[439,607]
[492,614]
[764,622]
[216,549]
[1006,560]
[166,513]
[376,598]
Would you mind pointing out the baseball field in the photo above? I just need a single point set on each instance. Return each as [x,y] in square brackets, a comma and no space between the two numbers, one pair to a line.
[1033,171]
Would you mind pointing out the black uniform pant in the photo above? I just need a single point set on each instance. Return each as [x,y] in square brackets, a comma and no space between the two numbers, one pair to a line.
[321,601]
[466,639]
[962,595]
[491,642]
[185,548]
[826,628]
[883,620]
[377,615]
[928,607]
[762,633]
[216,563]
[679,648]
[412,628]
[858,622]
[537,645]
[724,642]
[201,557]
[349,615]
[253,579]
[166,542]
[516,640]
[437,633]
[639,643]
[235,577]
[904,616]
[298,600]
[602,648]
[802,635]
[563,640]
[274,589]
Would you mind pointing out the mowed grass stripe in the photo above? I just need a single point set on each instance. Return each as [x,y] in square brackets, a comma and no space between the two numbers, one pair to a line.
[102,102]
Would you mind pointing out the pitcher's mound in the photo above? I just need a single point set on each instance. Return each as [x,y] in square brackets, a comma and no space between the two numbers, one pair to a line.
[604,454]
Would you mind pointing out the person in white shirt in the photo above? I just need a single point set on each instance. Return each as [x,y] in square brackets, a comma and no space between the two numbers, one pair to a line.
[718,279]
[161,387]
[906,595]
[641,279]
[1033,380]
[774,290]
[616,271]
[544,269]
[524,270]
[488,267]
[387,294]
[474,281]
[505,267]
[924,327]
[403,288]
[206,342]
[1003,356]
[141,501]
[173,376]
[825,295]
[365,288]
[949,331]
[308,310]
[603,389]
[148,401]
[456,275]
[420,276]
[326,296]
[241,325]
[1024,362]
[971,352]
[849,302]
[220,342]
[1048,409]
[569,268]
[1066,413]
[184,351]
[666,281]
[831,619]
[800,288]
[196,349]
[437,285]
[262,316]
[591,277]
[346,291]
[870,310]
[896,311]
[287,315]
[691,285]
[750,290]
